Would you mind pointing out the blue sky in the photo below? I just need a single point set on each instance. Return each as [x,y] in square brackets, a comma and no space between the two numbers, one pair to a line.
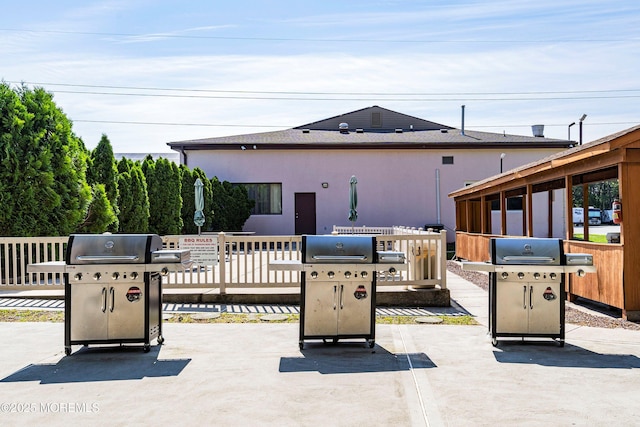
[149,72]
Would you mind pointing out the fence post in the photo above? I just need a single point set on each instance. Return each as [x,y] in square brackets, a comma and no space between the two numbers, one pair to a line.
[222,255]
[443,259]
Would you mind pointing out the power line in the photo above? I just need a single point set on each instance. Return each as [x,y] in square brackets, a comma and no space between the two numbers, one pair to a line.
[288,98]
[159,89]
[121,122]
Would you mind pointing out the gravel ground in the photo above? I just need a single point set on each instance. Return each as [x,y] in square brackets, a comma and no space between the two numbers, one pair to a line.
[607,317]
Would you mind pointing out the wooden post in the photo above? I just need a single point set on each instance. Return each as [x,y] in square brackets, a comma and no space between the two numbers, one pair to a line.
[585,211]
[503,214]
[568,185]
[529,210]
[550,214]
[483,215]
[222,255]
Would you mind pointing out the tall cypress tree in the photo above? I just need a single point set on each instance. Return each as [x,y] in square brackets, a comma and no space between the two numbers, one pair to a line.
[43,187]
[165,199]
[133,200]
[102,170]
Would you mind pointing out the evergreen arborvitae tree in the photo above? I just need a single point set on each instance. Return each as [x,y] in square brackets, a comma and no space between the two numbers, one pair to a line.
[102,170]
[43,187]
[239,210]
[165,200]
[231,204]
[100,214]
[124,165]
[133,200]
[188,200]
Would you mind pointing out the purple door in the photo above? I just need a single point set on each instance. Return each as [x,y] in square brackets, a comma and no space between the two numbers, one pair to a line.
[305,207]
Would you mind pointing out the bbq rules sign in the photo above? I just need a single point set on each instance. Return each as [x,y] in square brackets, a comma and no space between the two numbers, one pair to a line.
[204,249]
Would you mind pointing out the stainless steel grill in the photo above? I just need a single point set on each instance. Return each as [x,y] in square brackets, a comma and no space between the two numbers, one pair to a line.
[338,286]
[526,286]
[113,287]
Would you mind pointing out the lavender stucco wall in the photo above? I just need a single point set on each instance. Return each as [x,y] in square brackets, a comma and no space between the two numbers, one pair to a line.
[394,187]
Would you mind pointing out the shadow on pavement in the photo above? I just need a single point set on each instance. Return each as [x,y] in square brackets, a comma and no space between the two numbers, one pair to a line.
[101,364]
[347,358]
[569,356]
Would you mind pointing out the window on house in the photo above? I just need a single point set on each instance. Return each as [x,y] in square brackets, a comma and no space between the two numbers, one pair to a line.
[376,119]
[268,198]
[447,160]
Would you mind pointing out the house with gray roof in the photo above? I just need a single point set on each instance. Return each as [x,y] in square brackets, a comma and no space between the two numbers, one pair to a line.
[405,167]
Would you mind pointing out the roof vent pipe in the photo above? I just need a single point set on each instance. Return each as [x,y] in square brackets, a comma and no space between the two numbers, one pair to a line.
[462,129]
[538,131]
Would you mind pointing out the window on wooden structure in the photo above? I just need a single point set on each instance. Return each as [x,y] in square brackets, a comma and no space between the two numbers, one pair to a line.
[268,198]
[447,160]
[376,119]
[513,204]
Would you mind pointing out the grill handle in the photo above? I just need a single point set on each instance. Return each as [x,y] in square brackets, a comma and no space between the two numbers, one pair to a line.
[340,257]
[113,299]
[529,259]
[108,258]
[531,297]
[335,294]
[524,297]
[341,297]
[104,300]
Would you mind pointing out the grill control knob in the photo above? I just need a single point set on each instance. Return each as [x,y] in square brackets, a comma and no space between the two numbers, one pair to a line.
[314,274]
[504,275]
[521,275]
[115,275]
[364,274]
[134,275]
[392,270]
[97,276]
[77,276]
[164,271]
[331,274]
[553,276]
[347,274]
[536,276]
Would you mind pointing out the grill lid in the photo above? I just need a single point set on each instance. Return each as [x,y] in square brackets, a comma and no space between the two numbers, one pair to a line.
[529,251]
[111,248]
[339,249]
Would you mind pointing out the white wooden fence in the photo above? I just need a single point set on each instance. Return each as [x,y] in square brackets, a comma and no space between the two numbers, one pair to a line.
[243,260]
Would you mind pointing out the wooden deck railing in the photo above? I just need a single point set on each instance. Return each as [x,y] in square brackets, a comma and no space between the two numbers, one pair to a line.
[243,260]
[606,286]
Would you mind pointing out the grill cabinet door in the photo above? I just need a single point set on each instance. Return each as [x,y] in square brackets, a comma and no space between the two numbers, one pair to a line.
[321,309]
[512,302]
[544,313]
[354,316]
[88,311]
[126,314]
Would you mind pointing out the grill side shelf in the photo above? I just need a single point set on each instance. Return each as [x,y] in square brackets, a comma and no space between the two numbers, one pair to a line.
[47,267]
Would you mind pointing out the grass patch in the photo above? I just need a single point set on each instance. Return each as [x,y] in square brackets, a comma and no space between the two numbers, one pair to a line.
[595,238]
[231,318]
[58,316]
[31,316]
[409,320]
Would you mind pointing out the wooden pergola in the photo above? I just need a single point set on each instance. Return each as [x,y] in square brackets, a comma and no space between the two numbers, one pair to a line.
[616,156]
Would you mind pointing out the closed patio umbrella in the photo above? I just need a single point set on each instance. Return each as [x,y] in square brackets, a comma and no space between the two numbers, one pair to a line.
[353,202]
[198,216]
